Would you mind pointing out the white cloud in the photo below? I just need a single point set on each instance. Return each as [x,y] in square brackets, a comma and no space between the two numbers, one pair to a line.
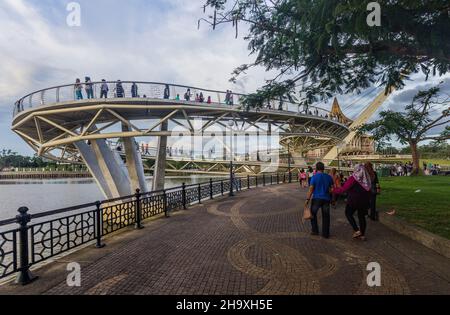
[139,40]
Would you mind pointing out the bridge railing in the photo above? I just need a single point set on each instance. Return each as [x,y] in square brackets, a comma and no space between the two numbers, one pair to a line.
[40,237]
[150,90]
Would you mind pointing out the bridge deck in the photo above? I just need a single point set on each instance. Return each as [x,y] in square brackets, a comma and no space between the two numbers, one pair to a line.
[251,244]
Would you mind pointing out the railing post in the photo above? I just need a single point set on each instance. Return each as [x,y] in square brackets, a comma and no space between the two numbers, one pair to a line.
[248,181]
[25,276]
[264,179]
[166,212]
[256,181]
[271,179]
[211,188]
[284,178]
[184,196]
[221,186]
[199,193]
[98,225]
[138,211]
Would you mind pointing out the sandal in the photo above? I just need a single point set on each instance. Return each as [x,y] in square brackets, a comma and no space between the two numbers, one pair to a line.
[362,238]
[357,234]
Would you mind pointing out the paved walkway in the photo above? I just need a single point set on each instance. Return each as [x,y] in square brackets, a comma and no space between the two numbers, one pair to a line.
[254,243]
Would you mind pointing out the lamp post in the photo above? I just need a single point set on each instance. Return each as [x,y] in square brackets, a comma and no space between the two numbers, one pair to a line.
[289,160]
[339,146]
[231,123]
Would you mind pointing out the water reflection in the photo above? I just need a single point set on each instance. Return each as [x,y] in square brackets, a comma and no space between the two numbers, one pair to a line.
[45,195]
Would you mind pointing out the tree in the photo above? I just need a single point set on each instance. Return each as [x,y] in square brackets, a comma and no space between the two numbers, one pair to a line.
[326,47]
[12,159]
[413,125]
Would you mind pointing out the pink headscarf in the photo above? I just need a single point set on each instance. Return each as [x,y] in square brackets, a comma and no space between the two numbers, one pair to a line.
[362,177]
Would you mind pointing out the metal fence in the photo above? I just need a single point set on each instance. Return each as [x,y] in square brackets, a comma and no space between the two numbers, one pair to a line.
[42,236]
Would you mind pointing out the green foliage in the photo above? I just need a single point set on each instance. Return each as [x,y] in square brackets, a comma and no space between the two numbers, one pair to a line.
[411,125]
[326,47]
[434,150]
[12,159]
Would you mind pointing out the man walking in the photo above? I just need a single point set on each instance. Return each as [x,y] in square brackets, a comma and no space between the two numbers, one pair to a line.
[320,194]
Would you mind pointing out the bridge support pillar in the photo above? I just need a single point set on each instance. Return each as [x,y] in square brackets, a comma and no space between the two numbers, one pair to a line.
[134,163]
[107,167]
[160,162]
[297,156]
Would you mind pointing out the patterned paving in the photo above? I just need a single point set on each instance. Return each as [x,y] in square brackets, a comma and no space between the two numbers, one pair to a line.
[254,243]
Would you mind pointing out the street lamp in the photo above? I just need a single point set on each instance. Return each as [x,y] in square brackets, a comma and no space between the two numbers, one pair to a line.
[231,123]
[289,160]
[339,146]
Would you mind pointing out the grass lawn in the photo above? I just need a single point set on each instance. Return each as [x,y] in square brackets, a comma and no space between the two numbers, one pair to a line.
[423,201]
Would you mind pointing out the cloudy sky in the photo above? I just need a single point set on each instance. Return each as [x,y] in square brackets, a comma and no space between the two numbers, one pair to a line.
[148,40]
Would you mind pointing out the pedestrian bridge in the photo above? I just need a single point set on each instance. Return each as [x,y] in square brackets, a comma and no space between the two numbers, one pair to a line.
[61,127]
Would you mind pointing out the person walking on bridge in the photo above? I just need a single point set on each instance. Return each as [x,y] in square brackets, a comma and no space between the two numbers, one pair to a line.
[358,188]
[319,195]
[187,95]
[167,92]
[119,89]
[78,89]
[134,90]
[104,89]
[89,87]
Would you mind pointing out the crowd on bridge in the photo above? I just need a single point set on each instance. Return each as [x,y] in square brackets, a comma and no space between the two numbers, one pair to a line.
[88,90]
[119,92]
[360,191]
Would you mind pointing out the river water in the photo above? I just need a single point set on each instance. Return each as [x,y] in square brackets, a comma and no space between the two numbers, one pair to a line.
[46,195]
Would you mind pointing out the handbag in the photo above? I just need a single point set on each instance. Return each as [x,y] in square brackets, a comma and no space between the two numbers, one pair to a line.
[307,215]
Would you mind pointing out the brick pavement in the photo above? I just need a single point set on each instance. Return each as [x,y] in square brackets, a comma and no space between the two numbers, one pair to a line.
[254,243]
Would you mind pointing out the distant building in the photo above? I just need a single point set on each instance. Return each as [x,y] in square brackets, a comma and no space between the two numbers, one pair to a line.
[360,145]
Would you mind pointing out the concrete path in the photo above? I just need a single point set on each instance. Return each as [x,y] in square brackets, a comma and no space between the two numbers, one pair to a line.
[254,243]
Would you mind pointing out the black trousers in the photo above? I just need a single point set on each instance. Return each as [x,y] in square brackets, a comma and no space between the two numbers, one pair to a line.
[316,205]
[104,94]
[349,213]
[373,207]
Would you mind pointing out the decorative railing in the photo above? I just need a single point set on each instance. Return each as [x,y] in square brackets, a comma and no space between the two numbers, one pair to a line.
[152,90]
[42,236]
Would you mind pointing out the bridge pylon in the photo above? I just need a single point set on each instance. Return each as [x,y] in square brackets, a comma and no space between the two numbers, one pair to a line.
[361,120]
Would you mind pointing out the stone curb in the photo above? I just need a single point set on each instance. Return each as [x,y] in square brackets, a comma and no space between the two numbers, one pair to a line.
[432,241]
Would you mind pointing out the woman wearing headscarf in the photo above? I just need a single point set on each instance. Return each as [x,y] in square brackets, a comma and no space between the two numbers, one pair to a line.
[358,189]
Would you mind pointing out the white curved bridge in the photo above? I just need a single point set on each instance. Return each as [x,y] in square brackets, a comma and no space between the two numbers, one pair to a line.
[59,126]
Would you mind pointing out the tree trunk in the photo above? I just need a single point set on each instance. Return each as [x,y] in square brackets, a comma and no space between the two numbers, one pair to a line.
[416,159]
